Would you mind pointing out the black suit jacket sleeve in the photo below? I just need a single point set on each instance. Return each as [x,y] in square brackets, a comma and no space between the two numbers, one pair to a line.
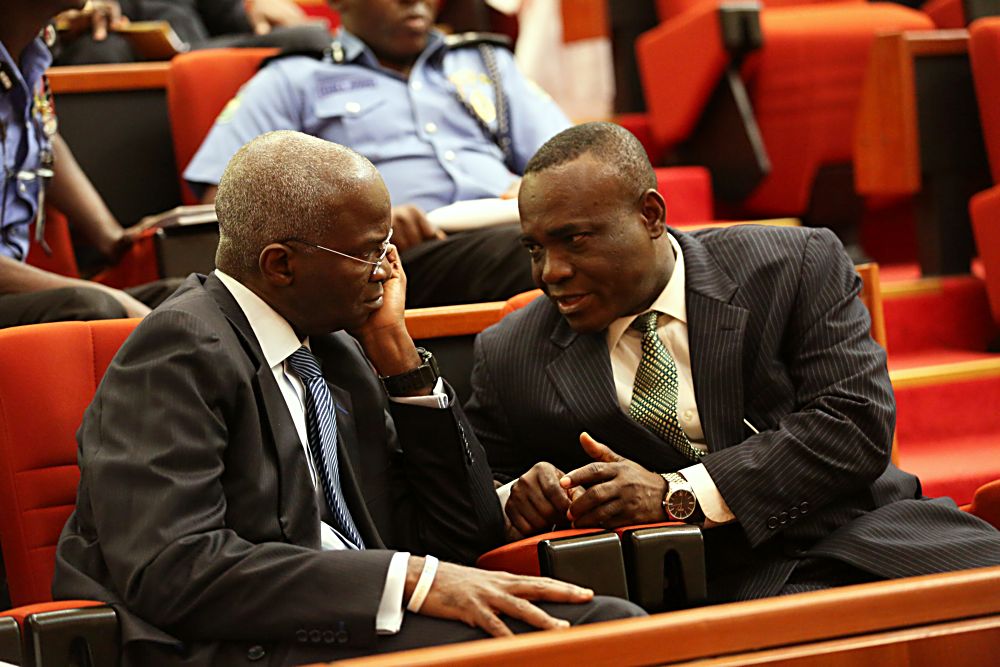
[160,510]
[486,411]
[837,439]
[452,509]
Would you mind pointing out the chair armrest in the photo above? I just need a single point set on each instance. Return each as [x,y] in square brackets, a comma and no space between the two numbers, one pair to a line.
[55,633]
[665,565]
[10,641]
[521,557]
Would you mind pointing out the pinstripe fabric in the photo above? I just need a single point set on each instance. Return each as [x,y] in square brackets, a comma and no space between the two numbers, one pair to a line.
[321,424]
[778,338]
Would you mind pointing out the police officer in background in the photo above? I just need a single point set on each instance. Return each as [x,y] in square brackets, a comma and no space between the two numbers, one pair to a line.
[444,119]
[38,167]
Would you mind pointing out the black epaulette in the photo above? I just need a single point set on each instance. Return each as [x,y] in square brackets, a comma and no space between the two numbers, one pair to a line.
[315,54]
[463,39]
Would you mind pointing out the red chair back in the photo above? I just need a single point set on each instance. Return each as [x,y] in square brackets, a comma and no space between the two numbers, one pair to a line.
[50,373]
[984,55]
[199,85]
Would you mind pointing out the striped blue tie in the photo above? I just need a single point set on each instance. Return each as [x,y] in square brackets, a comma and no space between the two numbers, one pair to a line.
[321,425]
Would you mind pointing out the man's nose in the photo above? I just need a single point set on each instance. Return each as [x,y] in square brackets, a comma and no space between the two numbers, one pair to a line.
[555,269]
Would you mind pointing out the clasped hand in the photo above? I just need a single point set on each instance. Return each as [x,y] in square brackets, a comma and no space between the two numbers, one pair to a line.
[610,492]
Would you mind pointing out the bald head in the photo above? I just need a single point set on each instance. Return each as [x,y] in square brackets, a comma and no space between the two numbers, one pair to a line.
[283,185]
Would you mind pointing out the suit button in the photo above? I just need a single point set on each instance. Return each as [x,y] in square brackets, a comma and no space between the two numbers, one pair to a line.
[315,636]
[301,636]
[342,636]
[329,637]
[804,508]
[783,518]
[793,513]
[256,653]
[772,522]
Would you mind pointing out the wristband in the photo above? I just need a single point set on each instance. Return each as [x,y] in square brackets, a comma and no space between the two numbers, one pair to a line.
[423,586]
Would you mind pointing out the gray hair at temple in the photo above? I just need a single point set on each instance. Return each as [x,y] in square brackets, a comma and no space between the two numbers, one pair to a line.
[610,143]
[281,185]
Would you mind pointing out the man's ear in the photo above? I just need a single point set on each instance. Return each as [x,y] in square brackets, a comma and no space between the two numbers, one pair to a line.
[277,264]
[654,212]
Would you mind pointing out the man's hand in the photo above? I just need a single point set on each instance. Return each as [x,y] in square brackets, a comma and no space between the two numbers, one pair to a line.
[411,227]
[390,315]
[266,14]
[619,492]
[537,501]
[478,597]
[97,16]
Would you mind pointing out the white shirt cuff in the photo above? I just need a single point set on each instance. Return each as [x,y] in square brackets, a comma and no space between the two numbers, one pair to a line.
[389,618]
[436,399]
[709,498]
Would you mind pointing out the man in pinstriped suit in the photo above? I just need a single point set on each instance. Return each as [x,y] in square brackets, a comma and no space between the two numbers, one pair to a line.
[770,400]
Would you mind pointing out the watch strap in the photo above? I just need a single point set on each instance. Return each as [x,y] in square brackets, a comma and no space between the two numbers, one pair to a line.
[424,376]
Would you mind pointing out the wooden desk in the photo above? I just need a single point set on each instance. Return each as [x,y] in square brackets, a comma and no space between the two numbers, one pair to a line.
[918,134]
[954,617]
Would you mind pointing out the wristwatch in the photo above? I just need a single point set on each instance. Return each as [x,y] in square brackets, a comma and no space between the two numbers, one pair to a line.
[680,503]
[424,376]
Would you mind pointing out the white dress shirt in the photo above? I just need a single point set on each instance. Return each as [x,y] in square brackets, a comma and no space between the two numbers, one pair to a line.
[625,349]
[278,341]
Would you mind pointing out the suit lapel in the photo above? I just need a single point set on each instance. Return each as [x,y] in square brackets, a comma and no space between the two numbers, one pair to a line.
[582,376]
[716,330]
[298,513]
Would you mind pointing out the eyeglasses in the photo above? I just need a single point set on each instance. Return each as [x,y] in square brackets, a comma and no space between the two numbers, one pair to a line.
[382,252]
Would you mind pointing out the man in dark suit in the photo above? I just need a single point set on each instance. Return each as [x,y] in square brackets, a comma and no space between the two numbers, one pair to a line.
[237,502]
[727,377]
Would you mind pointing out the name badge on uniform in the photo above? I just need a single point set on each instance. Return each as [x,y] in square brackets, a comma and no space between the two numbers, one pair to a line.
[469,84]
[6,78]
[342,84]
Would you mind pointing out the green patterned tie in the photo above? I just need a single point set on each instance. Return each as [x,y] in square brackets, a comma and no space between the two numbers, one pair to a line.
[654,397]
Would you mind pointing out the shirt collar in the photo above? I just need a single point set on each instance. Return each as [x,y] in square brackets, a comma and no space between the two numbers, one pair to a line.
[35,60]
[354,47]
[671,300]
[274,333]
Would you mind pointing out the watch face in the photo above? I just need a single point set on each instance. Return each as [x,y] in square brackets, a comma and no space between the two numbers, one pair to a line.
[681,504]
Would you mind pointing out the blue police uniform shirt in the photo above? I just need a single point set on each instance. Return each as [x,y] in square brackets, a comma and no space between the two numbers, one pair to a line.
[22,142]
[426,144]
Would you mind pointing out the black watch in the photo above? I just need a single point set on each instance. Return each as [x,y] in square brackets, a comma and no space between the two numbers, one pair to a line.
[424,376]
[680,503]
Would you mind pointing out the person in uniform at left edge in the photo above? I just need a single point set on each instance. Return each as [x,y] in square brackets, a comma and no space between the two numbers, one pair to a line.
[38,167]
[443,118]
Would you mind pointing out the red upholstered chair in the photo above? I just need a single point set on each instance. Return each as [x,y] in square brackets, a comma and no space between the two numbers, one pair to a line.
[199,85]
[802,89]
[984,209]
[138,266]
[320,9]
[986,503]
[50,373]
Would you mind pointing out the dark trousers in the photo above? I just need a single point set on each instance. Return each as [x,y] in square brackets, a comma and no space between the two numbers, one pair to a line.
[417,632]
[76,303]
[468,267]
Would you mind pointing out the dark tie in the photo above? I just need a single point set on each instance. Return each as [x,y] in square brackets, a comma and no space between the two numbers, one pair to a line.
[321,425]
[654,396]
